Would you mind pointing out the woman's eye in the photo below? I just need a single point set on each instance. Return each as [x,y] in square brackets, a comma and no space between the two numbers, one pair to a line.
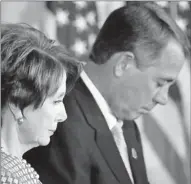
[57,101]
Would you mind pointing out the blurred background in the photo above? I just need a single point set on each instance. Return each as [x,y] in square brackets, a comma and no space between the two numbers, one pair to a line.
[166,130]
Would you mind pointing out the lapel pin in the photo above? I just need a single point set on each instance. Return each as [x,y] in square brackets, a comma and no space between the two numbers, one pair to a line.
[134,153]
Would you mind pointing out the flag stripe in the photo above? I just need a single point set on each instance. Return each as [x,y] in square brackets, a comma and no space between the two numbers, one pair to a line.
[164,149]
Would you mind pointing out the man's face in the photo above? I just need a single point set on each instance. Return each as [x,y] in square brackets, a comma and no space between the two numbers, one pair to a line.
[140,89]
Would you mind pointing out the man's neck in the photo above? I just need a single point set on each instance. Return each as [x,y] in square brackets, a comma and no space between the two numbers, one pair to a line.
[95,74]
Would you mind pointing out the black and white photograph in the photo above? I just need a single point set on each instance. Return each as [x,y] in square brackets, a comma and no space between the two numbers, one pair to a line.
[95,92]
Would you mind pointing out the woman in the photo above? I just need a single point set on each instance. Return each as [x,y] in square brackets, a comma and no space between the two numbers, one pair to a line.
[35,76]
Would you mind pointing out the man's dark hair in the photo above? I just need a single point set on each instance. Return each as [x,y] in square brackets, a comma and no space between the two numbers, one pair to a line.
[137,25]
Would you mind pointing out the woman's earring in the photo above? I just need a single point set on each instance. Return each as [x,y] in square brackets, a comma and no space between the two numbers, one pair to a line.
[20,121]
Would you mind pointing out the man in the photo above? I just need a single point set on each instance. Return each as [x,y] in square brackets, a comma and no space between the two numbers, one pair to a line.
[136,57]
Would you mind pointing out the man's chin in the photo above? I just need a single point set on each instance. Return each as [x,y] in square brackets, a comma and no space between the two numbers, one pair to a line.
[134,116]
[130,116]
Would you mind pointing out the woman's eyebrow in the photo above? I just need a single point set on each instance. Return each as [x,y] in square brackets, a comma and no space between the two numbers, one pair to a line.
[61,94]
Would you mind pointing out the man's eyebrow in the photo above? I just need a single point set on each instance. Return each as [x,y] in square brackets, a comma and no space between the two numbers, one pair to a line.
[169,79]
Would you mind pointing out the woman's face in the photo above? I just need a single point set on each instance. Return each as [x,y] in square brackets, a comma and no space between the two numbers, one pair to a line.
[39,124]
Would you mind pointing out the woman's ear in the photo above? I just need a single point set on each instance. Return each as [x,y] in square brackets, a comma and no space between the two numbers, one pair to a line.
[16,112]
[125,61]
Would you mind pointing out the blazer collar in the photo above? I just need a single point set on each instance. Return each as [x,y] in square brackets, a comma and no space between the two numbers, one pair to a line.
[103,136]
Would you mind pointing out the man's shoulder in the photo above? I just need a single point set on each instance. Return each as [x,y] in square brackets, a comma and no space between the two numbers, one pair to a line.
[78,102]
[78,91]
[75,103]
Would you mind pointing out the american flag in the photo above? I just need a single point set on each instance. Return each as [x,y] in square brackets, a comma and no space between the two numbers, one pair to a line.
[166,130]
[76,25]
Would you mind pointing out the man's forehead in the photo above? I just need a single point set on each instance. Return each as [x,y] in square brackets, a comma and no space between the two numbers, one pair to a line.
[171,58]
[173,52]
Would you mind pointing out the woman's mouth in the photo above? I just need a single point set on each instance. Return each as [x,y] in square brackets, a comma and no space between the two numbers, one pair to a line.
[51,131]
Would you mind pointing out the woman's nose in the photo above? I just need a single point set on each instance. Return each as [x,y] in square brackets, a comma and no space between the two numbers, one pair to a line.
[62,114]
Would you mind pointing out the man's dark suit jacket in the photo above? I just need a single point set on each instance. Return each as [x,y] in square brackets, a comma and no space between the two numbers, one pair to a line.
[83,151]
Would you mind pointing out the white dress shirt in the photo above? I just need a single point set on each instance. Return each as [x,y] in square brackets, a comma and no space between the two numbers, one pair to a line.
[110,119]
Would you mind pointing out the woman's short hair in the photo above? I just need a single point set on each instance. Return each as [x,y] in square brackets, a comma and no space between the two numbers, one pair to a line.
[32,66]
[137,25]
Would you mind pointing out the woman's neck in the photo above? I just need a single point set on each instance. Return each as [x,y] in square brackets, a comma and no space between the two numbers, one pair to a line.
[11,145]
[10,142]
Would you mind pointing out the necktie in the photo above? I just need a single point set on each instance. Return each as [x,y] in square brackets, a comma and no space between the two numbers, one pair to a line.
[117,132]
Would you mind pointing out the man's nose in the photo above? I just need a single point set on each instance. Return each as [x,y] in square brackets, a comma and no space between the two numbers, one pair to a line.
[162,97]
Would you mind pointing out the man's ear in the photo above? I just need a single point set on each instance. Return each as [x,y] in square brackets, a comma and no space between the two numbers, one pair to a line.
[15,111]
[125,60]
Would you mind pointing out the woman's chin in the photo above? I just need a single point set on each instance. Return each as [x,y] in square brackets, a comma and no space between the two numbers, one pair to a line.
[44,141]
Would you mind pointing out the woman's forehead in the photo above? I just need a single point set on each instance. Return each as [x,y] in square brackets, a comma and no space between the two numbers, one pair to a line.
[62,86]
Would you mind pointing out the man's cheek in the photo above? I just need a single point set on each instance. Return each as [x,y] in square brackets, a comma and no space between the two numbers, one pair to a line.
[138,90]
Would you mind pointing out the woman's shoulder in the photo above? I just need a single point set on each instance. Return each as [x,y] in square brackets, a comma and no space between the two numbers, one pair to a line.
[17,171]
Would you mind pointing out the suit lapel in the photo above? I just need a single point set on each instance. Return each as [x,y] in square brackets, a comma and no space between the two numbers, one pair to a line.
[110,153]
[103,136]
[135,153]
